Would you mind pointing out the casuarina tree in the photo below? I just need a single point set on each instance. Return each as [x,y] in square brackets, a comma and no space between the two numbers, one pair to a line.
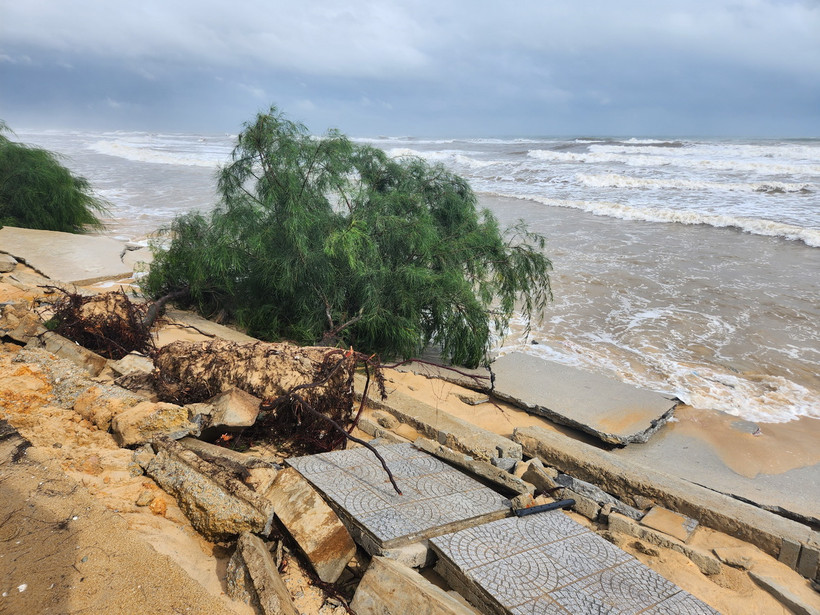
[320,240]
[37,191]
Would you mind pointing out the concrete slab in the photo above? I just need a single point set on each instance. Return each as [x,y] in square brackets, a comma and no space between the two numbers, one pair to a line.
[66,257]
[548,563]
[615,412]
[793,493]
[436,497]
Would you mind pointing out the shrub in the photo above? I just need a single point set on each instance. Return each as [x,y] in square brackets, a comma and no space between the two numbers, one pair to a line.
[38,192]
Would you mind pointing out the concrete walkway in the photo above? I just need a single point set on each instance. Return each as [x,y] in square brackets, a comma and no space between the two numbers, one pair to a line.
[615,412]
[544,563]
[69,258]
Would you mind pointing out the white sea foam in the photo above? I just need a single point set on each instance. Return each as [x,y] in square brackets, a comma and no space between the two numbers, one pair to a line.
[614,180]
[157,151]
[769,228]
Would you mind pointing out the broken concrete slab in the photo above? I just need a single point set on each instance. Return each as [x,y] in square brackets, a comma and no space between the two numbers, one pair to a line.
[548,563]
[435,497]
[736,557]
[595,493]
[252,577]
[66,349]
[148,420]
[443,427]
[706,562]
[256,472]
[390,587]
[312,524]
[7,262]
[615,412]
[802,604]
[624,479]
[668,522]
[482,469]
[68,257]
[218,504]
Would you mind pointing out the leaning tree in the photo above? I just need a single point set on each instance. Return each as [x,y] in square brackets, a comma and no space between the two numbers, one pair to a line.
[323,240]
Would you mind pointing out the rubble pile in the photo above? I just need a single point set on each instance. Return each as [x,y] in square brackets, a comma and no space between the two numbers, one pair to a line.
[186,426]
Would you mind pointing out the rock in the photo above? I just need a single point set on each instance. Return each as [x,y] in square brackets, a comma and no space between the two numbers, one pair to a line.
[539,477]
[233,410]
[255,472]
[24,327]
[416,555]
[522,501]
[474,398]
[218,504]
[385,419]
[312,524]
[481,469]
[252,577]
[584,506]
[668,522]
[505,463]
[7,262]
[99,404]
[643,503]
[147,420]
[785,596]
[598,495]
[389,587]
[66,349]
[372,428]
[132,362]
[737,557]
[145,498]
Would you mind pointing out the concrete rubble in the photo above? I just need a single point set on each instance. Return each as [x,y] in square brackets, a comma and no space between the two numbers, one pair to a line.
[253,578]
[335,517]
[312,524]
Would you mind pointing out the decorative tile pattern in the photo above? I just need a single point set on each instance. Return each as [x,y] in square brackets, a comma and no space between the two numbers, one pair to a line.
[549,564]
[436,498]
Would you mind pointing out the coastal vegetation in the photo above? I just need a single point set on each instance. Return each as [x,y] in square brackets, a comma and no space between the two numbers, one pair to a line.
[321,240]
[38,192]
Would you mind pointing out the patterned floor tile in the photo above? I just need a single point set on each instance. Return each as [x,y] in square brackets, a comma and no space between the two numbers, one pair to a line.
[434,495]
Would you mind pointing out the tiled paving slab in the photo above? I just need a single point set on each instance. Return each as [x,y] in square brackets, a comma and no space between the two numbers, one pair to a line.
[549,564]
[436,498]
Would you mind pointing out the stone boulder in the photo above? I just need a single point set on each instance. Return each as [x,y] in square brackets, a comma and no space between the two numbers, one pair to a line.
[148,420]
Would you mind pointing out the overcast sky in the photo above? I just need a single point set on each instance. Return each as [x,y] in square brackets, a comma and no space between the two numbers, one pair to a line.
[425,67]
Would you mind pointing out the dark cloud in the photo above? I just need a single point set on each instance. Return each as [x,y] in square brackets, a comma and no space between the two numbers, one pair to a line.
[744,67]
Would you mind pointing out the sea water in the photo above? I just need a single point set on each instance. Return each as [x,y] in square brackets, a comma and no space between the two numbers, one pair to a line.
[686,266]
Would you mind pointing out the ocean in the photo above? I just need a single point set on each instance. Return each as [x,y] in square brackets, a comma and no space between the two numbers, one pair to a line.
[685,266]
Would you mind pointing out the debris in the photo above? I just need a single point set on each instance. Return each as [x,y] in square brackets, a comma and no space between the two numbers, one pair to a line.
[390,587]
[312,524]
[253,578]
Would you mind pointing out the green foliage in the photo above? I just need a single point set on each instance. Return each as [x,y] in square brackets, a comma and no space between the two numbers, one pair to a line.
[322,240]
[36,191]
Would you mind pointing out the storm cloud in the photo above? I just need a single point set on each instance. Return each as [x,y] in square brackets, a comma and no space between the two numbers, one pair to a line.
[458,68]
